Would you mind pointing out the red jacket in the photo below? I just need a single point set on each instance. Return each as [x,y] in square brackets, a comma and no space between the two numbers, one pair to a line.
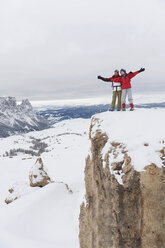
[125,80]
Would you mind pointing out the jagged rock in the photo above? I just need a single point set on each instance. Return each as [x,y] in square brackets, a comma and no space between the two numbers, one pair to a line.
[18,118]
[117,165]
[163,152]
[38,176]
[130,214]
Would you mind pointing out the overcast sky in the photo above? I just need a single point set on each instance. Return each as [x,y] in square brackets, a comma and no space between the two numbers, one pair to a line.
[54,49]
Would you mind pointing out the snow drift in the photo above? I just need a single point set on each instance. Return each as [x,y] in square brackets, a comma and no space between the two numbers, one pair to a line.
[43,217]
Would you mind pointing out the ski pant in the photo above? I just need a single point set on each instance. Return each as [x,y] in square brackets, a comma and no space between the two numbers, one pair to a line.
[125,93]
[116,94]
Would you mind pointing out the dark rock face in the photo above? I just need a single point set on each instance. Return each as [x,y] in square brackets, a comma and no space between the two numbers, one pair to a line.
[21,118]
[127,215]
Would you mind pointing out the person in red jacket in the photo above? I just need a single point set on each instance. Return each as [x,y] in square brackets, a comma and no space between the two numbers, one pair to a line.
[125,80]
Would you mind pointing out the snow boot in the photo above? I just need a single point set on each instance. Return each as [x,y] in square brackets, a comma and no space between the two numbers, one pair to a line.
[123,107]
[111,110]
[118,109]
[131,107]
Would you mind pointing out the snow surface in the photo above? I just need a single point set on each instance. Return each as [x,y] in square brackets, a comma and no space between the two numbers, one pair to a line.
[135,129]
[44,217]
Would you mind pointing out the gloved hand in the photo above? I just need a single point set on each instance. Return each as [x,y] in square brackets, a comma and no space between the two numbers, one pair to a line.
[142,69]
[99,77]
[130,72]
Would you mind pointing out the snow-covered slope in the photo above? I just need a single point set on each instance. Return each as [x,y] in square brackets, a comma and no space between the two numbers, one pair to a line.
[18,118]
[44,217]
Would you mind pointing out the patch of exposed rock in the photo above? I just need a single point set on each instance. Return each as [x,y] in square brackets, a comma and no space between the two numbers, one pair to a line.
[38,176]
[11,197]
[130,214]
[17,191]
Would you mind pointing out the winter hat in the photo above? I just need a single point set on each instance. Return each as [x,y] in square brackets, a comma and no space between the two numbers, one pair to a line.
[123,71]
[116,70]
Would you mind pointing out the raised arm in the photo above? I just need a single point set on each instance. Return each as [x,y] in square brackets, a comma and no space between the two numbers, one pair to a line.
[133,74]
[104,79]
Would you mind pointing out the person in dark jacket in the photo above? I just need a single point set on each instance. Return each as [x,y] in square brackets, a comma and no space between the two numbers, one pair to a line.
[116,88]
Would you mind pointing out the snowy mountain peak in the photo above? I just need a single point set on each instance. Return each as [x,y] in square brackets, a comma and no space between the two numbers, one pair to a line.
[26,102]
[10,102]
[25,105]
[18,118]
[7,102]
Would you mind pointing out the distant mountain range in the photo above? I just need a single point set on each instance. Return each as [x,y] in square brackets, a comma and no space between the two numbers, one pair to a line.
[22,118]
[56,114]
[19,118]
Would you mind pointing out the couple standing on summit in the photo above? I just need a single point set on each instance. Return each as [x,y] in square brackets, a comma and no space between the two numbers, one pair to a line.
[121,86]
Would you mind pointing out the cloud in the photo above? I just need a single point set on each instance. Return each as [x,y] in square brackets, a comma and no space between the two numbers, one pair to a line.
[55,49]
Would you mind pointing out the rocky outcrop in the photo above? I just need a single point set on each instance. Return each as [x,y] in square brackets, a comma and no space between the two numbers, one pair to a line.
[124,208]
[19,118]
[38,176]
